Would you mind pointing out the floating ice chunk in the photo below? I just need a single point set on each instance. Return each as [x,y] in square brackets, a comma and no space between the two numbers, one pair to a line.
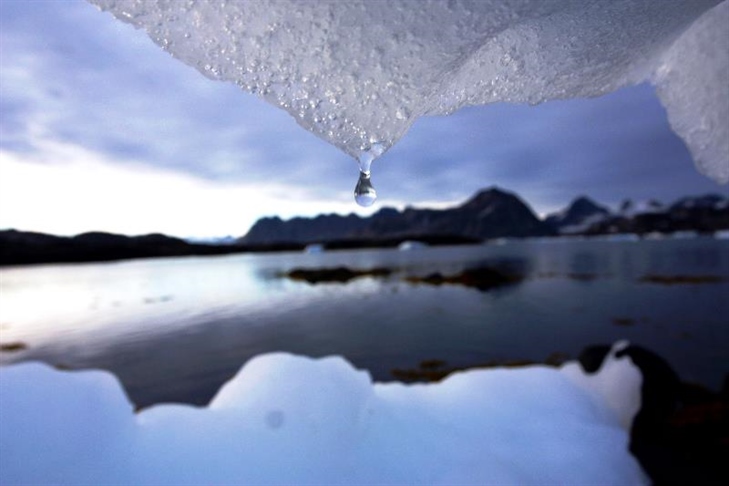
[296,420]
[358,73]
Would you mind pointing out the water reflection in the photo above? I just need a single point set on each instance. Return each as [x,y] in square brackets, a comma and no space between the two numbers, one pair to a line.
[175,329]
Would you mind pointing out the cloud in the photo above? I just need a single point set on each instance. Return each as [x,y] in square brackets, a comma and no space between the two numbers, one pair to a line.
[616,146]
[85,78]
[70,189]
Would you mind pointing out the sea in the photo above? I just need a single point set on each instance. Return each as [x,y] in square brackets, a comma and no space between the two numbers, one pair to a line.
[176,329]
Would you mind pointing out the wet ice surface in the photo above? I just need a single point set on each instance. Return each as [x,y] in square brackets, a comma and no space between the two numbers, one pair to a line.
[296,420]
[358,73]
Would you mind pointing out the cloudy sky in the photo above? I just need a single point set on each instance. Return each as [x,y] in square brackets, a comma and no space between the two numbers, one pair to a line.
[102,130]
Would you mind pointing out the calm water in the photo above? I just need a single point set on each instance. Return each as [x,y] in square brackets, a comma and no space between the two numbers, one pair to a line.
[176,329]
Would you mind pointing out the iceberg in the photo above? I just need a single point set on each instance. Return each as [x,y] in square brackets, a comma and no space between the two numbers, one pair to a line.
[286,419]
[358,74]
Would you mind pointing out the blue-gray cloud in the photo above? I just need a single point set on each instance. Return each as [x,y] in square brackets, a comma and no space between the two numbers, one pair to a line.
[616,146]
[76,75]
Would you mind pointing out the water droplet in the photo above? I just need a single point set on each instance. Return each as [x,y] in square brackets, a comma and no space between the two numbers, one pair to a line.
[364,193]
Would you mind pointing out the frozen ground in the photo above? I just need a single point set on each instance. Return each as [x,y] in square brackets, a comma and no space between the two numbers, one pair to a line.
[288,419]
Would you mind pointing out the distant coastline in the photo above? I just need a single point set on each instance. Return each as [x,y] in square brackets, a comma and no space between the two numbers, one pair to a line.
[30,248]
[491,214]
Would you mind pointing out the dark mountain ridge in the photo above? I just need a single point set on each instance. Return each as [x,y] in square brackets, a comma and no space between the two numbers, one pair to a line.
[491,213]
[701,214]
[304,230]
[21,247]
[494,213]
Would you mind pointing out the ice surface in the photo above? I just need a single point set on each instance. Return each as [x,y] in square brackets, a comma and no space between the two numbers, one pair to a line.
[357,73]
[287,419]
[693,84]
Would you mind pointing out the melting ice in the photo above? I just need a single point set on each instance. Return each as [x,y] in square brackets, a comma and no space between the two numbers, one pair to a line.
[287,419]
[356,71]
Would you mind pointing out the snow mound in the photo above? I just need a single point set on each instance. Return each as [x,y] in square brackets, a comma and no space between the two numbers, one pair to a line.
[359,73]
[287,419]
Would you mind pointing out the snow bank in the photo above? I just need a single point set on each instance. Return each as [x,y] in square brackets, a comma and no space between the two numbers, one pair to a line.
[359,73]
[293,420]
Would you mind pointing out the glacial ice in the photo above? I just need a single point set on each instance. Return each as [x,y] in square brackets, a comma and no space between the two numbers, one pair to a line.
[287,419]
[359,73]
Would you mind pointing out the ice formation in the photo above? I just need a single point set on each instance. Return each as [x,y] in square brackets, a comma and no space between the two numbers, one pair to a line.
[285,419]
[358,73]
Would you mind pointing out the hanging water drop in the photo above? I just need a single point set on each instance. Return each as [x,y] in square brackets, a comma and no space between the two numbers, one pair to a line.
[364,193]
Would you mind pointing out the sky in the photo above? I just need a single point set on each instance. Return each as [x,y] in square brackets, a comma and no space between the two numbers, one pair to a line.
[101,130]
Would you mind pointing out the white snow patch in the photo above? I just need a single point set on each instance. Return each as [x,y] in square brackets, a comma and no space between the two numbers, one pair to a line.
[585,224]
[287,419]
[630,209]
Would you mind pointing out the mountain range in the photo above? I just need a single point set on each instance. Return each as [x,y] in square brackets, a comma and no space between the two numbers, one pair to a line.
[495,213]
[491,213]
